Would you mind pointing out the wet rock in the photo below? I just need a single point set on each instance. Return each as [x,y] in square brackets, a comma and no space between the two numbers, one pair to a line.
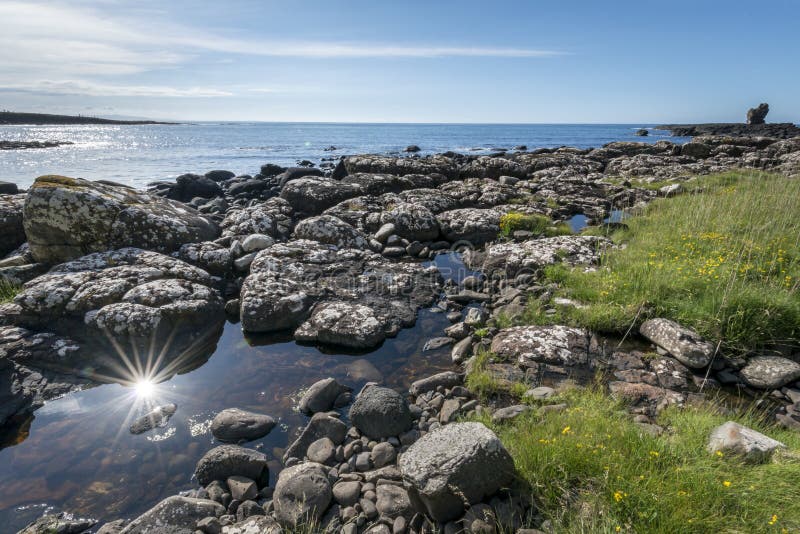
[380,412]
[770,372]
[331,230]
[436,343]
[234,425]
[446,379]
[302,493]
[364,370]
[320,426]
[344,324]
[683,344]
[461,350]
[455,463]
[65,218]
[58,524]
[174,515]
[559,345]
[733,438]
[158,417]
[231,460]
[321,396]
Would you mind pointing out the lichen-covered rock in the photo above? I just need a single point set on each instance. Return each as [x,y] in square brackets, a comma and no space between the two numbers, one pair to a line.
[62,523]
[209,256]
[454,465]
[287,280]
[380,412]
[683,344]
[65,218]
[412,221]
[330,230]
[174,515]
[529,257]
[233,425]
[344,324]
[472,225]
[436,164]
[273,218]
[739,440]
[231,460]
[558,345]
[313,195]
[770,372]
[302,494]
[12,233]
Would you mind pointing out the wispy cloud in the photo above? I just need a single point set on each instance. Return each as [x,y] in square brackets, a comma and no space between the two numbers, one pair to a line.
[86,88]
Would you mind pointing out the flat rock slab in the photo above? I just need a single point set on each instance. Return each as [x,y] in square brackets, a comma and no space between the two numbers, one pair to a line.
[529,257]
[770,372]
[683,344]
[733,438]
[65,218]
[558,345]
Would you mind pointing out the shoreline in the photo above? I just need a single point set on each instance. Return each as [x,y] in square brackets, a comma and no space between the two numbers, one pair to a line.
[386,214]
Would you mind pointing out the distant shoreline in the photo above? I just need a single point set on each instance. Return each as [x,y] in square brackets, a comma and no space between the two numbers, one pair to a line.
[15,118]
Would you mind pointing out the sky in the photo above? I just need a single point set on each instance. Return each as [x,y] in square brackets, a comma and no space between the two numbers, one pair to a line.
[414,61]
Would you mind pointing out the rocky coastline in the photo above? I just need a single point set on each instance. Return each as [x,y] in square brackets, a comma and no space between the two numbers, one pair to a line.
[338,257]
[783,130]
[25,145]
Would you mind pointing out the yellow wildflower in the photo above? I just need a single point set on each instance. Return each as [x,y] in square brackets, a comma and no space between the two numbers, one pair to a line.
[726,483]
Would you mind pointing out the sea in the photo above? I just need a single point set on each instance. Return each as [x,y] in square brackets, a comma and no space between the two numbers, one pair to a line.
[76,454]
[138,155]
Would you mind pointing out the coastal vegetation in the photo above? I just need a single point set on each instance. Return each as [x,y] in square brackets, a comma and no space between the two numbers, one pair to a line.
[591,468]
[535,224]
[723,259]
[7,291]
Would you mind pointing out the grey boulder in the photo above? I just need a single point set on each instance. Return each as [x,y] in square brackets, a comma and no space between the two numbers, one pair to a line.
[739,440]
[233,425]
[302,494]
[321,396]
[683,344]
[331,230]
[380,412]
[770,372]
[174,515]
[230,460]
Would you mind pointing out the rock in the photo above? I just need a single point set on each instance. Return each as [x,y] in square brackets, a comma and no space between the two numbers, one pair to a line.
[757,114]
[321,396]
[449,411]
[234,425]
[411,221]
[402,166]
[331,230]
[256,242]
[113,527]
[65,218]
[510,412]
[209,256]
[558,345]
[383,454]
[231,460]
[436,343]
[242,488]
[540,393]
[12,233]
[733,438]
[273,218]
[380,412]
[695,150]
[509,260]
[770,372]
[174,515]
[364,370]
[683,344]
[446,379]
[219,176]
[302,493]
[8,188]
[322,451]
[347,493]
[476,317]
[383,233]
[461,350]
[412,148]
[190,186]
[457,331]
[472,225]
[321,425]
[455,463]
[313,195]
[642,132]
[158,417]
[393,501]
[256,524]
[344,324]
[62,523]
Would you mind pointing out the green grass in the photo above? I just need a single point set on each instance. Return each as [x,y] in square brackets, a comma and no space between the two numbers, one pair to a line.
[536,224]
[483,384]
[724,260]
[592,469]
[7,292]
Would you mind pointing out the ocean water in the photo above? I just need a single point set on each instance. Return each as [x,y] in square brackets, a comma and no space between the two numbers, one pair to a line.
[137,155]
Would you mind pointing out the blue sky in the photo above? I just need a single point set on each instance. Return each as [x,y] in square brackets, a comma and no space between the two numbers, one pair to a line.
[373,61]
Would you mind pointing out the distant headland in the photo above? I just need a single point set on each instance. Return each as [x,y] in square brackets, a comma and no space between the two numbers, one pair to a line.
[755,126]
[13,117]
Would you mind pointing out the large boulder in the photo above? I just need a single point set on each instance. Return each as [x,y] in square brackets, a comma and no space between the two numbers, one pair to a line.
[454,465]
[274,218]
[555,345]
[12,234]
[189,186]
[380,412]
[233,425]
[770,372]
[473,225]
[436,164]
[231,460]
[342,323]
[63,523]
[314,194]
[65,218]
[683,344]
[174,515]
[302,494]
[330,230]
[412,221]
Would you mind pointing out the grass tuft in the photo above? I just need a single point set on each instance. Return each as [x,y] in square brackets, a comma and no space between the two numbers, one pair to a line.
[7,291]
[536,224]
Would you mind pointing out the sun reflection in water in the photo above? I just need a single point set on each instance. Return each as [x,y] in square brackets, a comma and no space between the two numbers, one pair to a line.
[144,388]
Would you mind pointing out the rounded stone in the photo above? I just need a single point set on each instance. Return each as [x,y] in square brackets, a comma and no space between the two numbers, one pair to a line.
[380,412]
